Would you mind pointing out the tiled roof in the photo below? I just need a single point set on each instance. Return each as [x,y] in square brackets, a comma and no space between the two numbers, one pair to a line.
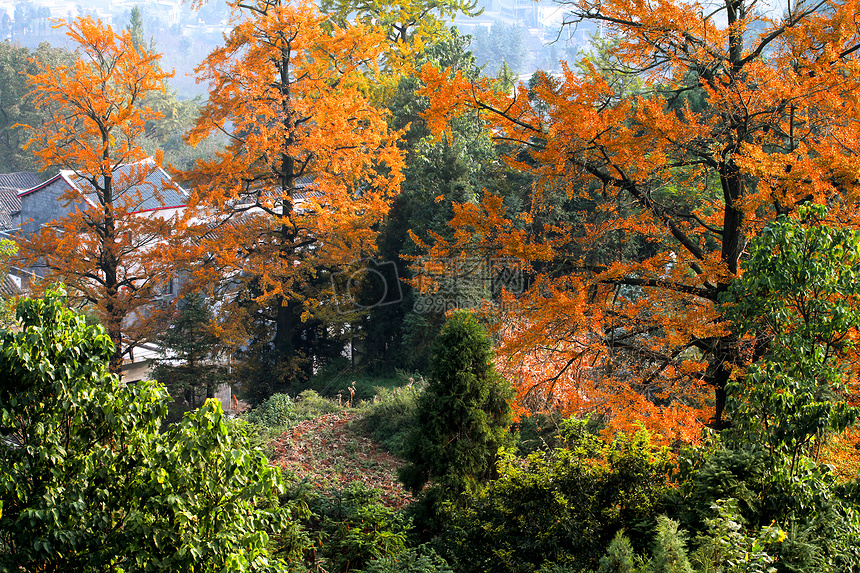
[20,180]
[9,201]
[155,187]
[299,195]
[8,287]
[10,185]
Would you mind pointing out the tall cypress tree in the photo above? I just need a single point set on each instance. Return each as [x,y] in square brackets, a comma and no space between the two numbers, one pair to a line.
[135,28]
[463,415]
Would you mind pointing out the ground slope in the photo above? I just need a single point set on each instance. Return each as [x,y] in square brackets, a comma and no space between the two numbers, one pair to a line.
[331,451]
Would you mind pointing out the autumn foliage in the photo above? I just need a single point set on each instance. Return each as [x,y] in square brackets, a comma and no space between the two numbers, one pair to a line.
[732,124]
[311,165]
[107,254]
[409,28]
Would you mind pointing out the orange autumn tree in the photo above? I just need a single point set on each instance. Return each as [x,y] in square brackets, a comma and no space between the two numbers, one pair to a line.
[310,168]
[736,117]
[108,254]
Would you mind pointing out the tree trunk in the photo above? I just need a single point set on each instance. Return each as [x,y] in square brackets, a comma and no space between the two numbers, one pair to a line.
[113,309]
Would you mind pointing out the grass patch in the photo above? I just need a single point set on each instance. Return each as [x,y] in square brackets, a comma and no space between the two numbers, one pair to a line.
[339,381]
[280,413]
[390,417]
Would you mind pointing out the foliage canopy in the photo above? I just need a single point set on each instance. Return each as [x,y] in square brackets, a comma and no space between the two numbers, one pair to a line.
[730,126]
[106,252]
[307,176]
[87,482]
[798,298]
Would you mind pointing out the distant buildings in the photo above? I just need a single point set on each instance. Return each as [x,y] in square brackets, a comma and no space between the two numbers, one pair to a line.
[27,204]
[154,193]
[21,20]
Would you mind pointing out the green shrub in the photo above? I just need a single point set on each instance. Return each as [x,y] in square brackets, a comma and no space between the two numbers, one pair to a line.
[797,297]
[391,416]
[544,431]
[270,419]
[561,508]
[421,559]
[537,432]
[310,405]
[357,528]
[727,546]
[280,412]
[92,485]
[276,411]
[706,476]
[556,568]
[819,515]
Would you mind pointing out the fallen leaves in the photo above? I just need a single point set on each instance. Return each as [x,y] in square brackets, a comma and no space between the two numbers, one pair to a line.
[332,451]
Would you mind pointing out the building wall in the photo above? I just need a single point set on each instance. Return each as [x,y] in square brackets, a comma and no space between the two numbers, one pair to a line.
[43,205]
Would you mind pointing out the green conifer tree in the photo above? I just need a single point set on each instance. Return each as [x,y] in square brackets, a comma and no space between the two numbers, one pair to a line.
[620,556]
[190,371]
[463,415]
[135,28]
[670,554]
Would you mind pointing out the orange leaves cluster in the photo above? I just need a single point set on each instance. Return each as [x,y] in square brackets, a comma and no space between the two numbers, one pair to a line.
[555,351]
[843,453]
[108,254]
[95,104]
[487,229]
[559,364]
[734,118]
[312,164]
[556,339]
